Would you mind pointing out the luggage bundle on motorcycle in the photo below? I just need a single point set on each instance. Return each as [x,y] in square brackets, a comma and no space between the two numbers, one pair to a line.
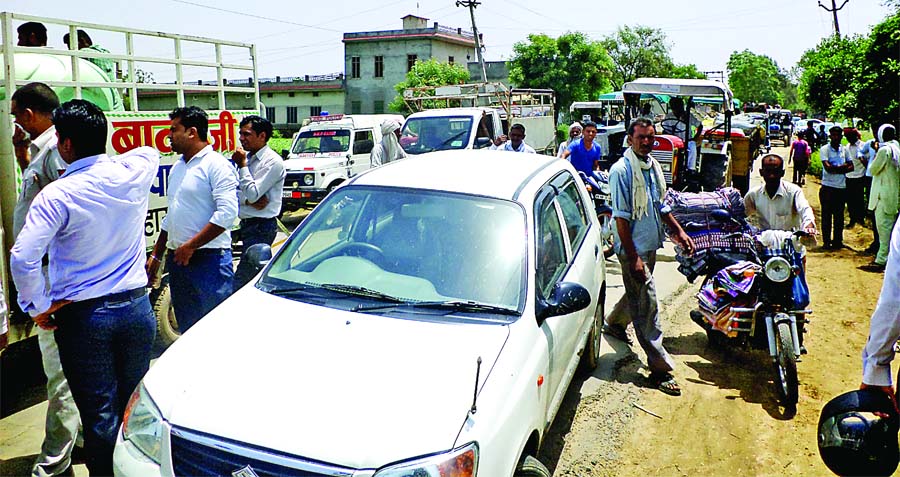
[716,223]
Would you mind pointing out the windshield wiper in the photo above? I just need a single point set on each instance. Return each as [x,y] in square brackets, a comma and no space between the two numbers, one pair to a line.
[306,287]
[451,139]
[359,291]
[452,305]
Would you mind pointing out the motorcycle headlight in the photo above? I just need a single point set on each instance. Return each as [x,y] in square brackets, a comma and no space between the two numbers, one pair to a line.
[778,269]
[309,179]
[142,424]
[460,462]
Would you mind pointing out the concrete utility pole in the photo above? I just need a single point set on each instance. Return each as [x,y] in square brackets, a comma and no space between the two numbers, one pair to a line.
[471,4]
[834,9]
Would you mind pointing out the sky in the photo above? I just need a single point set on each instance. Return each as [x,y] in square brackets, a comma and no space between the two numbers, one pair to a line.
[301,37]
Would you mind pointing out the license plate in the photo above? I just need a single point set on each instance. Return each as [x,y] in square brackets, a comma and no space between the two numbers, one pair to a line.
[286,193]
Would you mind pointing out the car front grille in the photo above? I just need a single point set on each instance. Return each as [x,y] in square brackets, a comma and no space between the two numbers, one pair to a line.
[195,454]
[665,157]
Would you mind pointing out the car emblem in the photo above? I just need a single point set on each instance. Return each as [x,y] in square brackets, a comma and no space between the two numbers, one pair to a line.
[245,472]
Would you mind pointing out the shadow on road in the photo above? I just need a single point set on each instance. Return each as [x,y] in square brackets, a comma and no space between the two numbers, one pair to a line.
[750,373]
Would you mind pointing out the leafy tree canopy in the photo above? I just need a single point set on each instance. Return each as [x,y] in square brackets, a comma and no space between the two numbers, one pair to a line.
[755,78]
[637,52]
[428,73]
[572,65]
[830,81]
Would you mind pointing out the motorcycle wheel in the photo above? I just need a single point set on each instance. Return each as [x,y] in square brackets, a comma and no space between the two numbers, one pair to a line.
[785,366]
[606,234]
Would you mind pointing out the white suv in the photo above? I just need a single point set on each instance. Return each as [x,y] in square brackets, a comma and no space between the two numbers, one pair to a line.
[415,324]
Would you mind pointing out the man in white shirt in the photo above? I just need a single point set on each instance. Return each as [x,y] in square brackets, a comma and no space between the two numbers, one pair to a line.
[884,328]
[196,231]
[778,204]
[836,163]
[856,180]
[32,106]
[516,142]
[261,177]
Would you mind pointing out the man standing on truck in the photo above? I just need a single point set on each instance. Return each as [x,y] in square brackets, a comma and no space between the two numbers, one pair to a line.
[196,231]
[32,34]
[583,153]
[32,107]
[516,142]
[259,193]
[90,223]
[85,43]
[388,149]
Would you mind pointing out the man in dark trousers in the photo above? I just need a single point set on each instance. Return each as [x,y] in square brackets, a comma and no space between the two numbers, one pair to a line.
[90,223]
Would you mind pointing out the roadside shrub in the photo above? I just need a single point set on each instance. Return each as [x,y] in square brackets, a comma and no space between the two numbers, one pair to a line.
[815,165]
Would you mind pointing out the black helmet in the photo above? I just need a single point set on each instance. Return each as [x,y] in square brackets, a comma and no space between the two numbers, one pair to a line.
[858,434]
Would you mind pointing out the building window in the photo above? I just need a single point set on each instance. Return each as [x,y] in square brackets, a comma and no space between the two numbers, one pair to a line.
[450,60]
[270,114]
[411,61]
[291,94]
[354,67]
[269,95]
[378,107]
[315,110]
[292,114]
[379,66]
[355,107]
[315,94]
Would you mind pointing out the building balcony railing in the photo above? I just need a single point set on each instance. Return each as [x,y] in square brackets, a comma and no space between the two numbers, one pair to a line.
[437,28]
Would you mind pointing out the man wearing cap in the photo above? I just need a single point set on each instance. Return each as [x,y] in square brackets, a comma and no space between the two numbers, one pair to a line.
[388,149]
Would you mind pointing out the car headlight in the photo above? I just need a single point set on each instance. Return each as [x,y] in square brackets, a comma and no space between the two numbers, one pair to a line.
[778,269]
[460,462]
[309,179]
[143,424]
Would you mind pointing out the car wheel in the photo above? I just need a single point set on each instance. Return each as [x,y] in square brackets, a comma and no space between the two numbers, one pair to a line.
[591,355]
[531,467]
[166,324]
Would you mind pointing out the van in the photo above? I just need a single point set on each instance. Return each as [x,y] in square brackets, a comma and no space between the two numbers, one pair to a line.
[327,152]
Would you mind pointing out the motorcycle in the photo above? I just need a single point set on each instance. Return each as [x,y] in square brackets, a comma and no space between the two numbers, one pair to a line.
[761,303]
[598,188]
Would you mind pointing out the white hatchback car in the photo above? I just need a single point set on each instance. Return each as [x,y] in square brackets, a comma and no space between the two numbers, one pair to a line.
[422,321]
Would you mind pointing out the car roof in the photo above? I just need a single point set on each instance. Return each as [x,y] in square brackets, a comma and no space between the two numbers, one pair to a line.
[681,87]
[448,112]
[499,174]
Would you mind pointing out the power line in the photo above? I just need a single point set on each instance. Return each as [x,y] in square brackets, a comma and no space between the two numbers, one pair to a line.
[245,14]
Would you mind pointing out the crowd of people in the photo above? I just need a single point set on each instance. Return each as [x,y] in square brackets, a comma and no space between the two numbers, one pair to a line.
[96,325]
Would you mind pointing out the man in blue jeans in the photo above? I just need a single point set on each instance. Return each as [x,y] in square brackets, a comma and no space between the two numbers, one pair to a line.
[90,222]
[196,231]
[261,174]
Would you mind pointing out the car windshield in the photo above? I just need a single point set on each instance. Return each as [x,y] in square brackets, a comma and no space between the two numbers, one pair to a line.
[407,246]
[324,140]
[422,135]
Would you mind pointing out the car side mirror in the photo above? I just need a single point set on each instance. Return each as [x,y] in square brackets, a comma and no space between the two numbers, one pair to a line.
[258,256]
[482,142]
[567,297]
[284,153]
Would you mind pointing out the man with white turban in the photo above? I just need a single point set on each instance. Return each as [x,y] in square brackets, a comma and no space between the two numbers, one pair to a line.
[389,148]
[883,198]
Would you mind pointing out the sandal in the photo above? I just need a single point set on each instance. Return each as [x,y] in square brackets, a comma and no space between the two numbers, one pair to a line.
[618,332]
[666,383]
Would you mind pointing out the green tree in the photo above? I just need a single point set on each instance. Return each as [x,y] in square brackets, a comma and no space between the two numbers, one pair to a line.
[879,82]
[428,73]
[831,75]
[573,66]
[640,51]
[754,78]
[688,71]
